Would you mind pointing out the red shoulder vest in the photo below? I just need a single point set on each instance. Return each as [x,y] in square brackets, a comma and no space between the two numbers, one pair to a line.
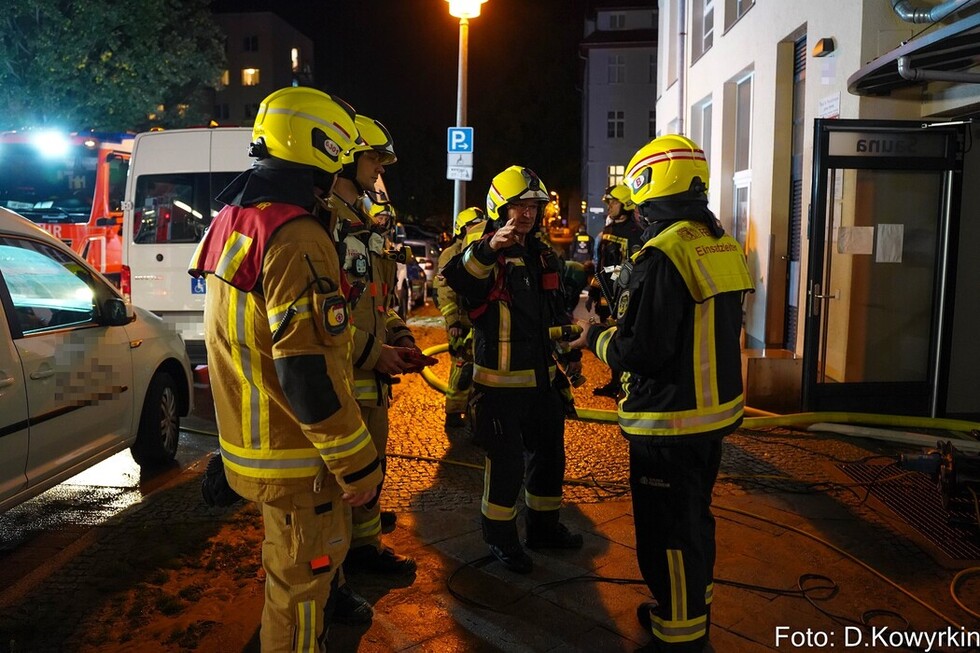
[234,245]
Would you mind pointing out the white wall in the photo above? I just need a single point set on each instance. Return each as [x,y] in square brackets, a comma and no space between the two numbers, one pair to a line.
[861,31]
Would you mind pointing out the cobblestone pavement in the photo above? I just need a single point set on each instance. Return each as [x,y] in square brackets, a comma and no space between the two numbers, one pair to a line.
[170,574]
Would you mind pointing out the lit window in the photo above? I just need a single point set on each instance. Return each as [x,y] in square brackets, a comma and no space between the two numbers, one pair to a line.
[617,69]
[615,124]
[250,76]
[225,78]
[615,175]
[294,59]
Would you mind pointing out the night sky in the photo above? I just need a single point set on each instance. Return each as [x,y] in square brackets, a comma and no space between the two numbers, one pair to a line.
[395,60]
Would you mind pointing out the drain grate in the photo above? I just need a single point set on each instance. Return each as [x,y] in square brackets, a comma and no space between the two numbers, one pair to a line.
[916,500]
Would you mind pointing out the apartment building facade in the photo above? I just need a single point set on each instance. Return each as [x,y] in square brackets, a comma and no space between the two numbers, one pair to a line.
[760,83]
[264,53]
[619,52]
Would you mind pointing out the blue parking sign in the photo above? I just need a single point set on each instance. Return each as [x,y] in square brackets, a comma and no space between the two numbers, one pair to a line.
[460,139]
[198,287]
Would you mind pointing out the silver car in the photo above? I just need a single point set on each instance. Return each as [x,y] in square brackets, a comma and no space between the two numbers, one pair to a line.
[82,374]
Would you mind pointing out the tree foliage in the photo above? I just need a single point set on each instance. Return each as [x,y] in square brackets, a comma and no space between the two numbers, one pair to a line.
[106,64]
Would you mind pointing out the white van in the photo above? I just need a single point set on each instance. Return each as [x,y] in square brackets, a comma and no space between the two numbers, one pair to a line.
[173,179]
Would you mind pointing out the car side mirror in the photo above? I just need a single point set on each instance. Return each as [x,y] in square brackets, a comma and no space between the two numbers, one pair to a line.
[114,312]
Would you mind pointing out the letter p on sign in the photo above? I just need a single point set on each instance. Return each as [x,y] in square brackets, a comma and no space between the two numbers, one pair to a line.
[460,139]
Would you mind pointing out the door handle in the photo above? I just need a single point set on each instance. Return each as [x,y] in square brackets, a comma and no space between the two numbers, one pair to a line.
[42,374]
[815,294]
[7,381]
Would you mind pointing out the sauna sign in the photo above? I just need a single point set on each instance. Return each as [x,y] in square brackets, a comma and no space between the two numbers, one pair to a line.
[888,144]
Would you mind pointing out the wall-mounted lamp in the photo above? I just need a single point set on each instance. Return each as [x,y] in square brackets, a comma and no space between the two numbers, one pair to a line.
[824,47]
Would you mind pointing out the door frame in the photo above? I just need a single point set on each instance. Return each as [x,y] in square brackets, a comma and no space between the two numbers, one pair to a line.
[942,151]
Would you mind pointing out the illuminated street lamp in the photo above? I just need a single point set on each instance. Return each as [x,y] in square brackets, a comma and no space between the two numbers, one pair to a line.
[464,10]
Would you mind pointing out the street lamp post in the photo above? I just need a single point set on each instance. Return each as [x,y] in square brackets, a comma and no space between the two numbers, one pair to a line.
[464,10]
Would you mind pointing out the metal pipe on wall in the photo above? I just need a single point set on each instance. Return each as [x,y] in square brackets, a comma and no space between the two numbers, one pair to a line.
[912,14]
[681,65]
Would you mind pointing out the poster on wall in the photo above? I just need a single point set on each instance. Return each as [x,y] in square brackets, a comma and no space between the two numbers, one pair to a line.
[888,248]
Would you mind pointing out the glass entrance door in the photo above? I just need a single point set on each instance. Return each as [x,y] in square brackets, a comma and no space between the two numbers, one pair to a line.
[879,252]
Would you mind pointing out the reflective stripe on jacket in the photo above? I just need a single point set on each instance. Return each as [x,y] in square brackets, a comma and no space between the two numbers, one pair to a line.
[373,317]
[513,297]
[677,337]
[448,304]
[285,406]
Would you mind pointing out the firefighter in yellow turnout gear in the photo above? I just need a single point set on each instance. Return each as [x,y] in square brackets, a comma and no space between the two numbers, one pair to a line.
[458,327]
[678,319]
[511,283]
[382,341]
[279,342]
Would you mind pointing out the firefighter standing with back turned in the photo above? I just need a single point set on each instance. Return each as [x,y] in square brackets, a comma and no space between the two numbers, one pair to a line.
[458,327]
[511,283]
[278,341]
[678,322]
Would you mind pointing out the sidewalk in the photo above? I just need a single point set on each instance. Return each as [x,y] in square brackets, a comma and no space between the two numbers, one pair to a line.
[586,600]
[172,575]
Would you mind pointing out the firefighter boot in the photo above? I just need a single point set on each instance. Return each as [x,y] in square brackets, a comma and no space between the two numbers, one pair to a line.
[544,531]
[383,560]
[345,606]
[501,538]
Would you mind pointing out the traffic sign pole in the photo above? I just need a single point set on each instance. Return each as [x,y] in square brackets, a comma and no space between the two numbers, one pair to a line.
[459,187]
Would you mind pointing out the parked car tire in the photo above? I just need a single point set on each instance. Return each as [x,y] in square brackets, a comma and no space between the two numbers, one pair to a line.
[159,429]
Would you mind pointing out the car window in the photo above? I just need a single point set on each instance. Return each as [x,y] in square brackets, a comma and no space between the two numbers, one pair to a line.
[48,288]
[418,251]
[176,207]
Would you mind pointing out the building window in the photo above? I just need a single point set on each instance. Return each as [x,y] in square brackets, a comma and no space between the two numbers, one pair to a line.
[615,124]
[617,21]
[617,68]
[225,79]
[652,70]
[742,179]
[703,25]
[221,112]
[740,223]
[743,123]
[672,27]
[251,109]
[735,9]
[250,76]
[615,175]
[250,44]
[294,60]
[652,125]
[701,126]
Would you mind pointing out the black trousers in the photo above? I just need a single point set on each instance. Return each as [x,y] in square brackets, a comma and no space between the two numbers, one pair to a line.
[675,536]
[524,435]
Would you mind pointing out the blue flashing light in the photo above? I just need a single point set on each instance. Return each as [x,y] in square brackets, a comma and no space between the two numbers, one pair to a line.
[51,144]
